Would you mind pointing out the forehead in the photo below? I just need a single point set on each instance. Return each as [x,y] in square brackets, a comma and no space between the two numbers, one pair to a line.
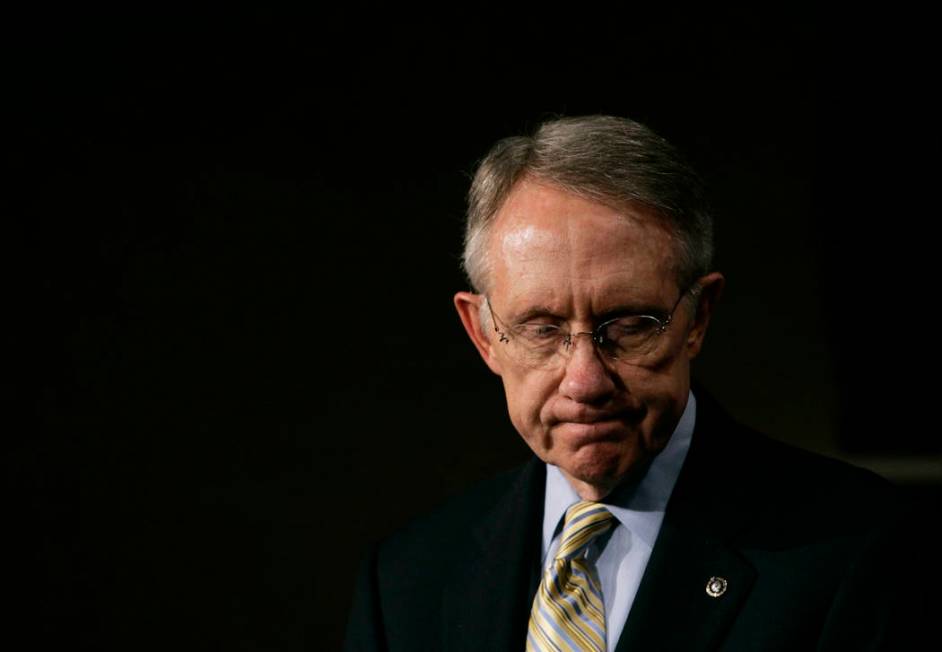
[549,246]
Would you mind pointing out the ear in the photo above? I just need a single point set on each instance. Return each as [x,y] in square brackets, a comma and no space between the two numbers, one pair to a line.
[469,308]
[711,288]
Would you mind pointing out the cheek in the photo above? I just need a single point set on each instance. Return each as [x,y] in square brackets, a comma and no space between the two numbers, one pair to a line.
[527,398]
[664,394]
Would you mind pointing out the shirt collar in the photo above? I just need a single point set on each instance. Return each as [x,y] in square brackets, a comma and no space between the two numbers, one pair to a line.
[639,508]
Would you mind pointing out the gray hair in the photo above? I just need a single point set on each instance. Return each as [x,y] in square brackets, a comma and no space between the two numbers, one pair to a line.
[611,160]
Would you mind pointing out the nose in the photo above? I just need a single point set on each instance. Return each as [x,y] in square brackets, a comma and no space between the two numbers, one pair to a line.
[587,378]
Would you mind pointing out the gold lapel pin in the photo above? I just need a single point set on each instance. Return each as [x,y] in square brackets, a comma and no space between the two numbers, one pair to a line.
[716,586]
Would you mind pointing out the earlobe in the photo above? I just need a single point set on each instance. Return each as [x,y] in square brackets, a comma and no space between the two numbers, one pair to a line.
[469,308]
[711,289]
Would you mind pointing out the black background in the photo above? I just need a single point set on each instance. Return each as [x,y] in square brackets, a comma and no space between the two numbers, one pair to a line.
[234,242]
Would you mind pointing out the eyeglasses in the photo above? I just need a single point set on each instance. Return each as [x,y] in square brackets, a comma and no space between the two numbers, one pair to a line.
[631,339]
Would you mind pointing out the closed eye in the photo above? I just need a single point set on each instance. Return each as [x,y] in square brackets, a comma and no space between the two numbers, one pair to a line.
[538,331]
[630,332]
[631,325]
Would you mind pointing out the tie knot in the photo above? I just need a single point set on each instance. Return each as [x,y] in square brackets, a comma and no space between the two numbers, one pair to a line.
[584,522]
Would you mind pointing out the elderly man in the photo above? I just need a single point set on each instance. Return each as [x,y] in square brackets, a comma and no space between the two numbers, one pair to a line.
[647,519]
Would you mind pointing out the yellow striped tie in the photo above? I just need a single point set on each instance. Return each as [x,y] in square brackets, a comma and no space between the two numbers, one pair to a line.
[568,614]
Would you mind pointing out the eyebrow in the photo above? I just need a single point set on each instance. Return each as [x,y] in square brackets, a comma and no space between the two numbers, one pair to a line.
[618,310]
[535,311]
[626,309]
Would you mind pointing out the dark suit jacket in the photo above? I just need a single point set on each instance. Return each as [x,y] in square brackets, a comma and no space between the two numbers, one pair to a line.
[811,549]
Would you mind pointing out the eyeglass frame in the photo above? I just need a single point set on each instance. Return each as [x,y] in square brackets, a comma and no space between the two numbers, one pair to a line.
[595,335]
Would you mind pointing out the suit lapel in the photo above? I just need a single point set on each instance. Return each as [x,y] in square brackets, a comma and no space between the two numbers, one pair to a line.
[488,606]
[673,609]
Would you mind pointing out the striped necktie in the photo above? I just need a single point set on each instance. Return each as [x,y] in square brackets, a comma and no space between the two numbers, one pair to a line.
[568,614]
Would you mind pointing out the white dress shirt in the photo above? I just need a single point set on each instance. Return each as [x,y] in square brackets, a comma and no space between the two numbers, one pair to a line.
[621,555]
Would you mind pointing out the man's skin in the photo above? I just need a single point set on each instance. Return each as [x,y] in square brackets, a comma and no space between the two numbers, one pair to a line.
[555,257]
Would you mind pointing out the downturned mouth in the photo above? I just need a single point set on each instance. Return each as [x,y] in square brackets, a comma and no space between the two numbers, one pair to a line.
[592,420]
[587,416]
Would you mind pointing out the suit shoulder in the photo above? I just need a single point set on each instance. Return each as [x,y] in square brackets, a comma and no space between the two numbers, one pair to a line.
[801,473]
[750,455]
[449,526]
[799,493]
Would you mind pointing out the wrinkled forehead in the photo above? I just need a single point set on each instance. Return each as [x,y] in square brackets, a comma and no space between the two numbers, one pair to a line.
[550,246]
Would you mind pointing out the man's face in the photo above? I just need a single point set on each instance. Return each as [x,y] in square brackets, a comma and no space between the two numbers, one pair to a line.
[560,259]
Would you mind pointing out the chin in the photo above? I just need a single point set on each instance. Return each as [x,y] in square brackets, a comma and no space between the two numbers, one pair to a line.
[600,467]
